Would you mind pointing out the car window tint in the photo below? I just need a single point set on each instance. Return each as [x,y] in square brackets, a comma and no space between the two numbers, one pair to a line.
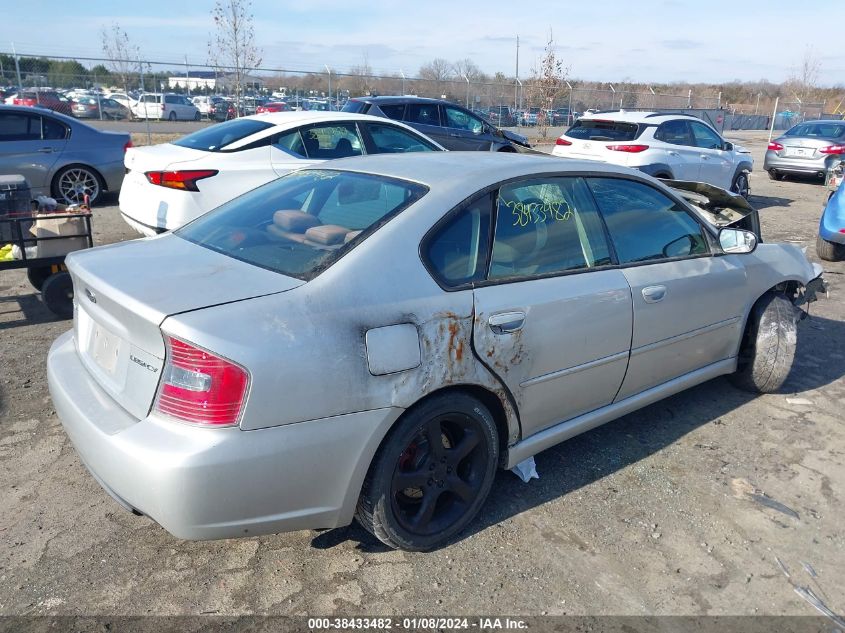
[545,226]
[705,138]
[19,127]
[675,132]
[423,113]
[300,224]
[644,224]
[332,140]
[215,138]
[355,106]
[52,130]
[603,130]
[457,252]
[461,120]
[393,111]
[390,139]
[290,142]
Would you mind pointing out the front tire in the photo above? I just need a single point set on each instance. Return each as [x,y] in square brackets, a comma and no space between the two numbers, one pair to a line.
[829,251]
[431,474]
[740,185]
[57,293]
[768,346]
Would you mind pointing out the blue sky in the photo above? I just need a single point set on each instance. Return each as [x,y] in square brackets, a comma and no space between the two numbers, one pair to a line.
[613,40]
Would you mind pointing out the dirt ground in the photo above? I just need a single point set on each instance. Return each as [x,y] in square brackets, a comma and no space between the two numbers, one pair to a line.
[685,507]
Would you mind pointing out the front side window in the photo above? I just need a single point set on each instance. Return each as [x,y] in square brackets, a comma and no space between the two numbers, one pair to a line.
[547,225]
[457,252]
[19,127]
[705,138]
[644,224]
[461,120]
[423,113]
[389,139]
[300,224]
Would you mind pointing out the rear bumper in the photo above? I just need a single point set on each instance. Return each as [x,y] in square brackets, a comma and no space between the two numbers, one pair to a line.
[216,483]
[157,208]
[797,165]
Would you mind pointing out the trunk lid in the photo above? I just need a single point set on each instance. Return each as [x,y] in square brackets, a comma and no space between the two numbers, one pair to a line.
[803,148]
[123,292]
[159,157]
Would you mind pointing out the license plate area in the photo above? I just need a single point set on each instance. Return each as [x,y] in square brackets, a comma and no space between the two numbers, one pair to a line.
[799,152]
[105,348]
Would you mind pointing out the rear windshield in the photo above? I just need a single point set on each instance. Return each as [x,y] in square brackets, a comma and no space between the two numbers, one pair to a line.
[355,106]
[302,223]
[819,130]
[216,137]
[592,130]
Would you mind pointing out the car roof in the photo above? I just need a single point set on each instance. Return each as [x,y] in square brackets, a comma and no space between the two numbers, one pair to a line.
[401,99]
[297,117]
[627,116]
[468,170]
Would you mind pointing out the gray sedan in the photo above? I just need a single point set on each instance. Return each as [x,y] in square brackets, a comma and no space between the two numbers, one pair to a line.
[811,148]
[375,339]
[60,156]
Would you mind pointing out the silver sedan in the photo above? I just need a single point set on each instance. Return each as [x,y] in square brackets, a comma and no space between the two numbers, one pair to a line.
[60,156]
[375,339]
[810,148]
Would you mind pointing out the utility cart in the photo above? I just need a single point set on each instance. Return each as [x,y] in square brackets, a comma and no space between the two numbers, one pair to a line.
[39,241]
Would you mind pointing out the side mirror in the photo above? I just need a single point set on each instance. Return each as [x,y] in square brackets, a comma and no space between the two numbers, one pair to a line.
[737,241]
[726,147]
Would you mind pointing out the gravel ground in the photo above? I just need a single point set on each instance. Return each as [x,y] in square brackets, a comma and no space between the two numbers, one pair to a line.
[684,507]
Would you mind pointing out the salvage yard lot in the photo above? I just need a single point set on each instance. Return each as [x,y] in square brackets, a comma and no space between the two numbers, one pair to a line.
[684,507]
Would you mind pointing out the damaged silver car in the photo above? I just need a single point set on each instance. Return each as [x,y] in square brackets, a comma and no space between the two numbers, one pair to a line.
[375,340]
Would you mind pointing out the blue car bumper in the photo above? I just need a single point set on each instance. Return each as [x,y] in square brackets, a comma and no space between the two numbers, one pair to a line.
[832,223]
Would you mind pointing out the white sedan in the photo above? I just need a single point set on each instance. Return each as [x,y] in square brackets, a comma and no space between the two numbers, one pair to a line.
[171,184]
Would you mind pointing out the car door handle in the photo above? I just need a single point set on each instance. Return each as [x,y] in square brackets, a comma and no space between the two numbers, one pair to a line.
[46,150]
[455,135]
[653,294]
[705,157]
[506,322]
[672,153]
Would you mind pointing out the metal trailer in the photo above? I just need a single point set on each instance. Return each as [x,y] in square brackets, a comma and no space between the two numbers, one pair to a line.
[46,274]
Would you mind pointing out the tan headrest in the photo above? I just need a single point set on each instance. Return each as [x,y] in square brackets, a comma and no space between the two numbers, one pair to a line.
[295,221]
[327,234]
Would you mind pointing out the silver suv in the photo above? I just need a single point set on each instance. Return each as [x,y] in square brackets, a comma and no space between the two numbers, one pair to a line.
[675,146]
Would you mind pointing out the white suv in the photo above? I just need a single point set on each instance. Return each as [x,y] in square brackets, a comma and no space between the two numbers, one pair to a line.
[165,106]
[676,146]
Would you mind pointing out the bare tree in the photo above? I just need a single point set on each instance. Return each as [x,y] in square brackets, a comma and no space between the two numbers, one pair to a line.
[436,73]
[361,77]
[232,47]
[804,81]
[124,56]
[548,82]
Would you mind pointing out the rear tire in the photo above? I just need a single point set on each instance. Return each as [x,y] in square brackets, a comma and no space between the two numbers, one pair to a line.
[58,295]
[773,175]
[829,251]
[431,474]
[768,345]
[171,116]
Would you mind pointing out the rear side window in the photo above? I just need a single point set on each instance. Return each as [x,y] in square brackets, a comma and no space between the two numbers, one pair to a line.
[393,111]
[545,226]
[215,138]
[592,130]
[644,224]
[300,224]
[423,113]
[52,130]
[355,106]
[457,251]
[326,141]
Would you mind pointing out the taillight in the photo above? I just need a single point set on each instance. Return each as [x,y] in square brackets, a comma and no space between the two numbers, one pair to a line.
[184,180]
[631,149]
[775,146]
[162,107]
[562,141]
[127,146]
[200,388]
[832,149]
